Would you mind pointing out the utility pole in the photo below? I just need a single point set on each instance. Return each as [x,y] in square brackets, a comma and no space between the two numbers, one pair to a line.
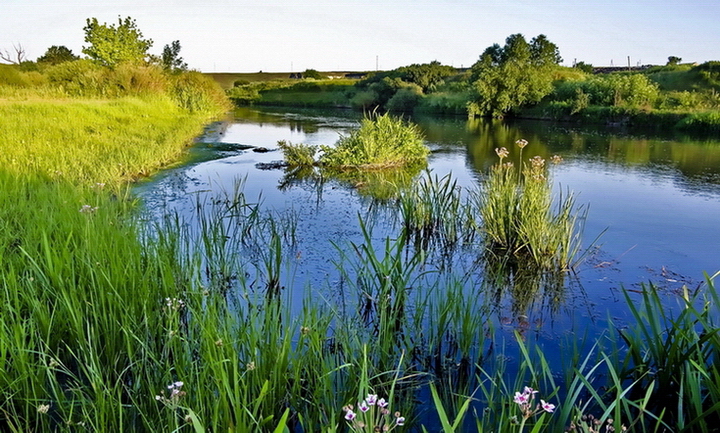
[628,63]
[376,63]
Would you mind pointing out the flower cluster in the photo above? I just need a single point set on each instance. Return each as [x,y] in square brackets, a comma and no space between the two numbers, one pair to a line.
[373,416]
[86,208]
[525,401]
[174,304]
[502,152]
[521,143]
[176,393]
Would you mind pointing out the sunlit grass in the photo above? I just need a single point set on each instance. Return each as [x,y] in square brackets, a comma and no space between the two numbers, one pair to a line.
[93,141]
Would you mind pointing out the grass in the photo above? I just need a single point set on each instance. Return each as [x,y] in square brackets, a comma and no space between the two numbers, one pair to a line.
[379,158]
[66,137]
[381,142]
[517,217]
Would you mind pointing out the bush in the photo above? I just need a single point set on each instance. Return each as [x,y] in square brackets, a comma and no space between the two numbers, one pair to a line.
[12,75]
[312,73]
[632,90]
[297,154]
[444,103]
[406,99]
[365,99]
[706,122]
[196,92]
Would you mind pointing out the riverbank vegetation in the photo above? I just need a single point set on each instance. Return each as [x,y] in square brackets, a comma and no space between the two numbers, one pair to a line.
[109,323]
[520,78]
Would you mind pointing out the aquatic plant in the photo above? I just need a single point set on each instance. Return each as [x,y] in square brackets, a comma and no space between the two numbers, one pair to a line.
[297,154]
[432,209]
[515,206]
[380,142]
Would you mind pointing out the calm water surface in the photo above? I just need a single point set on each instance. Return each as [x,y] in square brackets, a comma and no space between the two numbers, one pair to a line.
[654,197]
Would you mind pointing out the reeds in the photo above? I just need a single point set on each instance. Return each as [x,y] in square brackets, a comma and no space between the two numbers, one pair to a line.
[517,217]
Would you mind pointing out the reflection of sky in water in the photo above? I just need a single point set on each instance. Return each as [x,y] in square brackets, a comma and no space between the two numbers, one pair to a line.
[658,229]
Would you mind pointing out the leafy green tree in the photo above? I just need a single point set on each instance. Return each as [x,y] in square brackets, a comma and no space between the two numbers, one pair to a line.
[171,60]
[312,73]
[405,99]
[673,60]
[517,74]
[427,75]
[111,45]
[543,52]
[57,54]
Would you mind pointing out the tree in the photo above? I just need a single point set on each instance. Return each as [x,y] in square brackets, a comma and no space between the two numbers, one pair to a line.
[673,60]
[585,67]
[544,52]
[171,60]
[517,74]
[314,74]
[111,45]
[427,75]
[57,54]
[15,59]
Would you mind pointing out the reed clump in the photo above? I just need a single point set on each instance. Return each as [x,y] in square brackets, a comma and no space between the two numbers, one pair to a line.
[517,214]
[380,142]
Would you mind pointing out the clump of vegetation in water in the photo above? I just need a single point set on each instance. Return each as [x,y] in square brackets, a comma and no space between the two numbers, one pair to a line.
[381,142]
[379,157]
[517,216]
[298,155]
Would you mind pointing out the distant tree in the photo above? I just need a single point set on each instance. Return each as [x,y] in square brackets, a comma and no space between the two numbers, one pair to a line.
[171,60]
[585,67]
[672,60]
[15,58]
[543,52]
[111,45]
[517,74]
[427,75]
[57,54]
[312,73]
[493,54]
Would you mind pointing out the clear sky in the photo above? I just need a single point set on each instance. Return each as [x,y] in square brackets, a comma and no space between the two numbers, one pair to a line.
[281,36]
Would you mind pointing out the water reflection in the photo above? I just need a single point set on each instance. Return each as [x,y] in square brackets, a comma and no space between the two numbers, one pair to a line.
[657,196]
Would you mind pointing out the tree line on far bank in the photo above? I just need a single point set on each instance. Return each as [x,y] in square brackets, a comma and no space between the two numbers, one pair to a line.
[519,78]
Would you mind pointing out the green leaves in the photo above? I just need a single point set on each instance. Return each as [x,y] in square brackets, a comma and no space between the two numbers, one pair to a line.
[111,45]
[517,74]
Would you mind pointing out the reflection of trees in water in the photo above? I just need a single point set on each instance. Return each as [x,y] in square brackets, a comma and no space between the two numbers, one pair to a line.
[307,121]
[696,159]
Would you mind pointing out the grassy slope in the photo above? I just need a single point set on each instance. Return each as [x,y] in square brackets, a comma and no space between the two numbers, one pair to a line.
[68,138]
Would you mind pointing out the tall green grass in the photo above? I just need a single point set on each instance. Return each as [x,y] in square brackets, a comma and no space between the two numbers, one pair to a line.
[381,142]
[517,214]
[65,138]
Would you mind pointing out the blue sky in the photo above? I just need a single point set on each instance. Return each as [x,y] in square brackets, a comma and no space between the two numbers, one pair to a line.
[280,36]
